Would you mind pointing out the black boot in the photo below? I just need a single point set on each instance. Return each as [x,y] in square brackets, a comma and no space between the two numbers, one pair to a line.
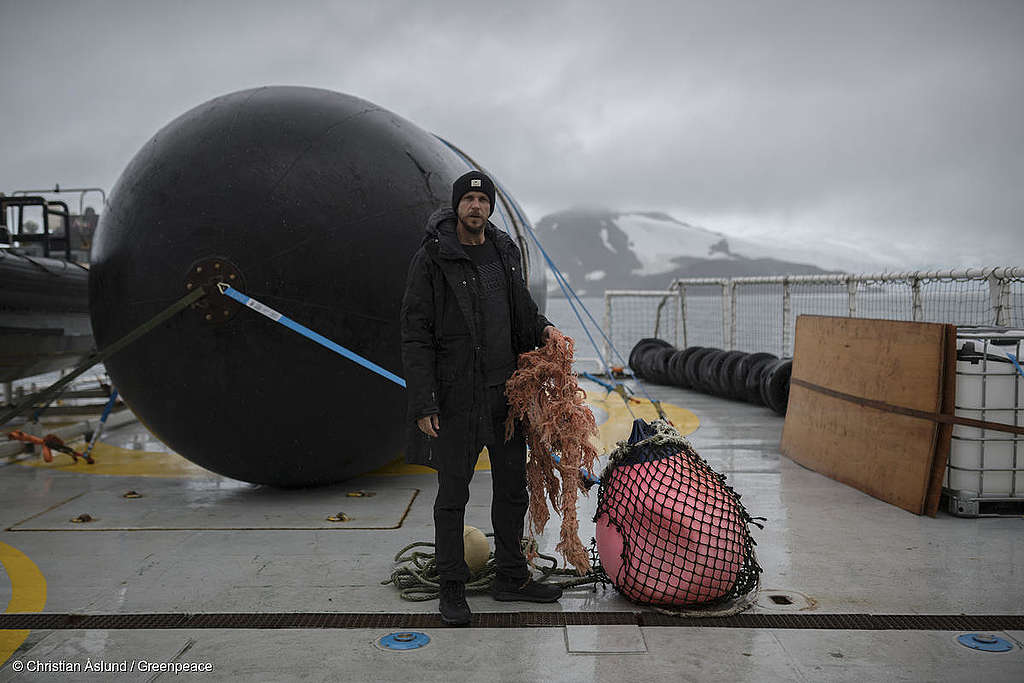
[525,591]
[454,608]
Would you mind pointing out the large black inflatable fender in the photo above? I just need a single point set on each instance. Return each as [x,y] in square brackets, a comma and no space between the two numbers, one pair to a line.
[312,202]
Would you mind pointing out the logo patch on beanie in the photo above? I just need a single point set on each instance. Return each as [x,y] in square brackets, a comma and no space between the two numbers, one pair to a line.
[475,182]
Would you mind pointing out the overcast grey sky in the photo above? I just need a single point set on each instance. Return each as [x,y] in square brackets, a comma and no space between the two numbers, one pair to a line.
[894,125]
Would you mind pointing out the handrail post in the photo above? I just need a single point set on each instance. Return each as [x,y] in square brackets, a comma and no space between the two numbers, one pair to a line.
[787,313]
[918,310]
[607,326]
[732,314]
[682,311]
[999,294]
[851,296]
[679,323]
[725,313]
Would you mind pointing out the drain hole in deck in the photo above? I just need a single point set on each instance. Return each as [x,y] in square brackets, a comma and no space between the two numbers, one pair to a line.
[781,599]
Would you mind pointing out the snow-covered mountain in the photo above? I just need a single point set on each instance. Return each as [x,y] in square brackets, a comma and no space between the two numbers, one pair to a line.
[599,249]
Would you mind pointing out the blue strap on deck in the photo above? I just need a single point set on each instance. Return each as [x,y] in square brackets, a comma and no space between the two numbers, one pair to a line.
[593,478]
[596,380]
[269,312]
[102,423]
[1013,359]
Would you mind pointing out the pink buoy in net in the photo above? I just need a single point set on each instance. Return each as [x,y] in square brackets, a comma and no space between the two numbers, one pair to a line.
[670,532]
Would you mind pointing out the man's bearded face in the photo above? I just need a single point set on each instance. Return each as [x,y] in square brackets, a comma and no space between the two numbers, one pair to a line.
[473,210]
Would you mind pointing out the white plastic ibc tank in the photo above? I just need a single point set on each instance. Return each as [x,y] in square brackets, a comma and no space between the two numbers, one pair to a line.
[985,463]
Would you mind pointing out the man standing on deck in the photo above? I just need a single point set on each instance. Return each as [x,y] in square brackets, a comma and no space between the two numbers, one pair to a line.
[466,315]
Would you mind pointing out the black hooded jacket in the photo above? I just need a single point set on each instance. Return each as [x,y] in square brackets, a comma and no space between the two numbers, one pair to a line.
[443,341]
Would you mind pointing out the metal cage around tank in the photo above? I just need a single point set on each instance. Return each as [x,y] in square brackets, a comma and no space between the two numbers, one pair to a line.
[985,468]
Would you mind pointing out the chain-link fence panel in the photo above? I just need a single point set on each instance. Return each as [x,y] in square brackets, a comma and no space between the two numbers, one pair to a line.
[812,298]
[759,313]
[1016,317]
[957,302]
[758,317]
[705,316]
[636,315]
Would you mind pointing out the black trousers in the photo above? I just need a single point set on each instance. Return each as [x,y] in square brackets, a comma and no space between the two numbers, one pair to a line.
[508,506]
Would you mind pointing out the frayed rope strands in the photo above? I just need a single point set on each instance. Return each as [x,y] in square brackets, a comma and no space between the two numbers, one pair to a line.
[543,393]
[418,579]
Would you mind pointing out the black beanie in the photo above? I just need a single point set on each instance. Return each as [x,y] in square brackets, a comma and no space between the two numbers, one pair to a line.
[474,181]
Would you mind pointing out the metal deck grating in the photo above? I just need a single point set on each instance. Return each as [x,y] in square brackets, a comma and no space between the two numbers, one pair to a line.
[348,620]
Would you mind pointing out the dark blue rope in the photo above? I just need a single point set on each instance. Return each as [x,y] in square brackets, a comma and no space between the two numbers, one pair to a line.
[560,279]
[596,380]
[102,423]
[1013,359]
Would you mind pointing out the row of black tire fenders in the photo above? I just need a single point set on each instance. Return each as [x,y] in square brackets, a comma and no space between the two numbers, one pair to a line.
[759,378]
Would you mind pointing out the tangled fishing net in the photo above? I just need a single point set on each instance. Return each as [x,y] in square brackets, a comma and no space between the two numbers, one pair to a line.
[543,393]
[670,531]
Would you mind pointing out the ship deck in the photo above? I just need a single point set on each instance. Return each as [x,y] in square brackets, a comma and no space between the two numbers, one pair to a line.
[258,584]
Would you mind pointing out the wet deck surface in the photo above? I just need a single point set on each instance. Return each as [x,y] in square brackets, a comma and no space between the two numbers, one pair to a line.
[212,545]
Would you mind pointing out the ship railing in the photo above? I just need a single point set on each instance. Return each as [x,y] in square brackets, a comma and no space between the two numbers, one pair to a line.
[50,240]
[759,313]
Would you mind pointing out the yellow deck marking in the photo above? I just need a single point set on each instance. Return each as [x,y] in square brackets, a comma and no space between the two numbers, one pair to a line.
[616,428]
[112,460]
[124,462]
[620,423]
[396,467]
[28,594]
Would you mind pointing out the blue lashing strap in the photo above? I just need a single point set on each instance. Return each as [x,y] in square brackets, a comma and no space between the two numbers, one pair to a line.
[269,312]
[592,478]
[610,387]
[1013,359]
[103,421]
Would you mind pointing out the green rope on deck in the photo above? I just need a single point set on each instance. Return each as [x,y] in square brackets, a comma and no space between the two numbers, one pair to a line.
[418,579]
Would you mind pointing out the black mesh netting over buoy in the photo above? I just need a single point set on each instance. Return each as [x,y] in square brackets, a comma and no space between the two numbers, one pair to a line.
[670,532]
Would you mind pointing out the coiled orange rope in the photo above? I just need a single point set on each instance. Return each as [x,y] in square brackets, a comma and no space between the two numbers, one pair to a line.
[49,443]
